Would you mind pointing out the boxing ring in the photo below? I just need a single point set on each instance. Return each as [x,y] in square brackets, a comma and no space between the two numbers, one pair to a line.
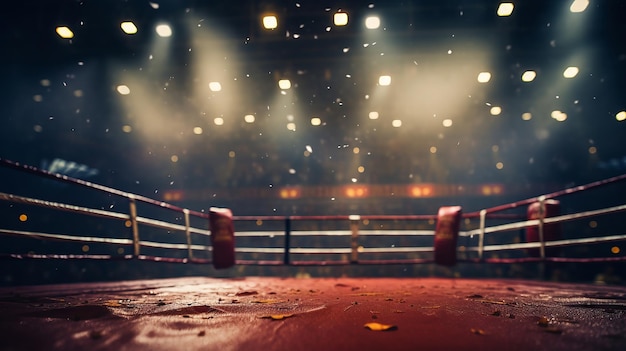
[339,239]
[309,314]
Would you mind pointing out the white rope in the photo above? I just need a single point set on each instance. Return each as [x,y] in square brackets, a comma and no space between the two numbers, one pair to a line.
[63,237]
[547,220]
[555,243]
[64,207]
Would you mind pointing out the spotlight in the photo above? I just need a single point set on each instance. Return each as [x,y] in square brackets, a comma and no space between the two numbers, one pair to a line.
[270,22]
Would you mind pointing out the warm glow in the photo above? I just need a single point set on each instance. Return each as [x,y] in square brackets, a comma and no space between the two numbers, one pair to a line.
[23,218]
[499,165]
[505,9]
[495,110]
[123,89]
[197,130]
[529,76]
[484,77]
[65,32]
[215,86]
[127,129]
[558,115]
[527,116]
[129,27]
[620,116]
[373,115]
[615,250]
[372,22]
[340,19]
[270,22]
[579,6]
[316,121]
[593,150]
[433,149]
[360,169]
[356,192]
[384,80]
[174,158]
[291,126]
[447,123]
[249,118]
[396,123]
[163,30]
[419,191]
[284,84]
[219,121]
[570,72]
[289,193]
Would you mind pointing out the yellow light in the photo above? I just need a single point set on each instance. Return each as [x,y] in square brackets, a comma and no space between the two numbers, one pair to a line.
[340,18]
[558,115]
[373,115]
[23,218]
[65,32]
[291,126]
[231,154]
[484,77]
[593,150]
[570,72]
[486,190]
[529,76]
[360,169]
[350,192]
[505,9]
[215,86]
[197,130]
[129,27]
[123,89]
[396,123]
[620,116]
[384,80]
[615,250]
[85,248]
[127,129]
[527,116]
[372,22]
[499,165]
[218,121]
[495,110]
[174,158]
[316,121]
[579,6]
[356,150]
[163,30]
[433,149]
[284,84]
[249,118]
[447,123]
[416,191]
[270,22]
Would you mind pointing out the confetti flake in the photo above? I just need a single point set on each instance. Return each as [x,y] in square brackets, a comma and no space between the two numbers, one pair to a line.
[380,327]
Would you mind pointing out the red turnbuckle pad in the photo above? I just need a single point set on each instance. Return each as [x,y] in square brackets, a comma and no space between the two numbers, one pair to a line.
[222,237]
[446,235]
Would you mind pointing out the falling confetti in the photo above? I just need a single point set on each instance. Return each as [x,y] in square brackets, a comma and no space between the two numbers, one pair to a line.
[380,327]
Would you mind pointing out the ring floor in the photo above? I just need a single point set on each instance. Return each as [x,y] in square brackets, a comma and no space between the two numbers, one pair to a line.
[270,313]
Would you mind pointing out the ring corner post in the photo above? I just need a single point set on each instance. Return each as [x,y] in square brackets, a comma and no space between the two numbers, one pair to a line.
[222,237]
